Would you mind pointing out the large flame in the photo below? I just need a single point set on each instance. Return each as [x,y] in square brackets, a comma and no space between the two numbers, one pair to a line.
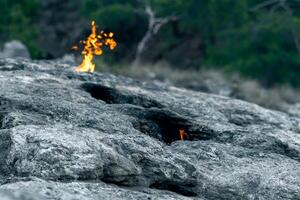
[93,46]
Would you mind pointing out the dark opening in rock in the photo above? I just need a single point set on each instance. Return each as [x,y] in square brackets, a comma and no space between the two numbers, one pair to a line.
[148,127]
[170,123]
[164,125]
[185,190]
[152,120]
[114,96]
[1,120]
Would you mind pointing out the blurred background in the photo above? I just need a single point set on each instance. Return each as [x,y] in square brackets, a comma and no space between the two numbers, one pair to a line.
[246,49]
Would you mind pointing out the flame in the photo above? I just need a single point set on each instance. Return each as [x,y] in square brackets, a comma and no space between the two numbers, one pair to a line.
[93,46]
[74,47]
[183,134]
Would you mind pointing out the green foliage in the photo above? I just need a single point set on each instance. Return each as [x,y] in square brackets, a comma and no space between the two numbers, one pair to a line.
[258,43]
[17,22]
[262,47]
[169,7]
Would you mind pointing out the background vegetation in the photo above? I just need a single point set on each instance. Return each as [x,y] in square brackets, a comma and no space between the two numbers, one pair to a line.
[255,38]
[18,21]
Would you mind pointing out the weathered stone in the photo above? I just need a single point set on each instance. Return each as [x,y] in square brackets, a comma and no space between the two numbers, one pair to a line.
[99,136]
[80,190]
[16,195]
[15,49]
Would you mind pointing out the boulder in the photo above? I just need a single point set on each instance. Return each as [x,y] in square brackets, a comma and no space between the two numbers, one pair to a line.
[67,135]
[15,49]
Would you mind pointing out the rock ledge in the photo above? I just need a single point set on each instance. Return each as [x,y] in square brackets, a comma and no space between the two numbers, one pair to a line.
[68,136]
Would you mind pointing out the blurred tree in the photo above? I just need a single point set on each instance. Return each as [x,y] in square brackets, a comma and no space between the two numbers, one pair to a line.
[154,25]
[61,26]
[17,21]
[257,38]
[265,46]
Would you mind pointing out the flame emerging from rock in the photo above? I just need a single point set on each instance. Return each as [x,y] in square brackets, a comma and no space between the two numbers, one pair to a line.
[93,46]
[183,134]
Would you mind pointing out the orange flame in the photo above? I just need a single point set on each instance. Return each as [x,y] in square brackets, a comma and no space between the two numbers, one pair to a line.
[93,46]
[183,134]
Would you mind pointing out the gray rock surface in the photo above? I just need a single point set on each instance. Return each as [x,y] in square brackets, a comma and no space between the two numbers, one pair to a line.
[65,135]
[14,49]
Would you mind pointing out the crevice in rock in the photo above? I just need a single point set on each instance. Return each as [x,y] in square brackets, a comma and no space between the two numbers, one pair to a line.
[113,96]
[164,125]
[151,119]
[185,190]
[128,181]
[170,123]
[148,127]
[286,150]
[2,115]
[121,181]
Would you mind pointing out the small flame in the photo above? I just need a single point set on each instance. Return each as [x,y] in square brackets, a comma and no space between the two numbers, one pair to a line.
[74,47]
[183,134]
[93,46]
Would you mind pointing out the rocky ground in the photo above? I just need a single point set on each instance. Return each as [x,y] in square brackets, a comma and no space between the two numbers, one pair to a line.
[65,135]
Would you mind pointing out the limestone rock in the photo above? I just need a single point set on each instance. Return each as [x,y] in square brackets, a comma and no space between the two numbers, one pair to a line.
[65,135]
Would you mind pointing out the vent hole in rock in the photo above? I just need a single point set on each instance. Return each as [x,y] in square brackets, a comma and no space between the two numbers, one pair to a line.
[165,125]
[152,119]
[185,190]
[114,96]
